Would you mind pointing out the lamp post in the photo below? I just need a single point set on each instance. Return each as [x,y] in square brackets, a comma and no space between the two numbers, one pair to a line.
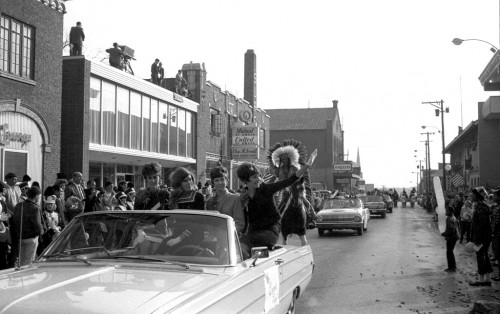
[440,109]
[458,42]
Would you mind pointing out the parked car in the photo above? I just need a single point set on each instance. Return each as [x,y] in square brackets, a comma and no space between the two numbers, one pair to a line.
[375,204]
[347,213]
[177,261]
[388,202]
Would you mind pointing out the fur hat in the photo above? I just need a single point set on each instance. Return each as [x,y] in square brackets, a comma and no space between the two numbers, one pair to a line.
[178,176]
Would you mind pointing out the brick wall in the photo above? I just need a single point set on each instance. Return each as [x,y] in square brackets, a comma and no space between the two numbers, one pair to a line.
[45,95]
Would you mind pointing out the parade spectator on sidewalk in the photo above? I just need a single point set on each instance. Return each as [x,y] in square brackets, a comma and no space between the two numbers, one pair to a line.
[466,221]
[451,235]
[153,196]
[12,191]
[495,226]
[27,219]
[481,236]
[76,38]
[108,198]
[90,196]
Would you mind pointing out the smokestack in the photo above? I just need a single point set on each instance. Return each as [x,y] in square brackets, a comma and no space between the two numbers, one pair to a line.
[250,78]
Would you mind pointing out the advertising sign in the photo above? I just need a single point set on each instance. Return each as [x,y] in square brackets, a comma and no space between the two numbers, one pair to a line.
[245,143]
[245,153]
[342,168]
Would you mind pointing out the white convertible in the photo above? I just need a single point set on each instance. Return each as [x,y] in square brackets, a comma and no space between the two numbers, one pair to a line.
[176,261]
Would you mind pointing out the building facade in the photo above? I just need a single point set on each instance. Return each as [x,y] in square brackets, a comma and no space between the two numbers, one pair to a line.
[114,123]
[316,128]
[30,88]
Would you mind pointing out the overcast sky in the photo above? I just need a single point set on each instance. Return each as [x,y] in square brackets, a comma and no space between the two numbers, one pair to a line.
[379,59]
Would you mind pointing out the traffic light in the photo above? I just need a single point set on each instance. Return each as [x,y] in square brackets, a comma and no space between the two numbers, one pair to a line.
[437,112]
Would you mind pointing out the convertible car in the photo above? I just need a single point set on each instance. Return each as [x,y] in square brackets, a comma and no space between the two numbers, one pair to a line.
[177,261]
[346,213]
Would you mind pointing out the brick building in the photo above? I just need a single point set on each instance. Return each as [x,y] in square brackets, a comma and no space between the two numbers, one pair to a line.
[219,112]
[315,128]
[31,39]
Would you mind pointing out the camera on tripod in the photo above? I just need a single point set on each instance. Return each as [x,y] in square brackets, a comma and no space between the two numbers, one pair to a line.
[127,54]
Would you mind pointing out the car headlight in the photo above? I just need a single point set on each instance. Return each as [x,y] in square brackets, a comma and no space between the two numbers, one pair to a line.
[357,218]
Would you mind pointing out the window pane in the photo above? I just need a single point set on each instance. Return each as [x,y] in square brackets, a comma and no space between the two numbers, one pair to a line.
[122,104]
[182,132]
[108,114]
[189,135]
[163,128]
[154,125]
[16,162]
[95,110]
[4,43]
[15,54]
[146,123]
[135,122]
[174,118]
[27,43]
[95,173]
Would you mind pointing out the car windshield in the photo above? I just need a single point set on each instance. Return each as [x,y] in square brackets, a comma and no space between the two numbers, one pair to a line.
[148,236]
[340,203]
[372,198]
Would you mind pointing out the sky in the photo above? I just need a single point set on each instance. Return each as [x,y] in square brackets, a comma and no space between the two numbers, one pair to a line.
[379,59]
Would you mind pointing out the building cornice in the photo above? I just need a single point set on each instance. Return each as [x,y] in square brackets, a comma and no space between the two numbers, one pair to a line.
[57,5]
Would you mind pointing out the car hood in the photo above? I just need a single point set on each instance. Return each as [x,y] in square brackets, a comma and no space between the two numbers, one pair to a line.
[100,289]
[374,203]
[337,211]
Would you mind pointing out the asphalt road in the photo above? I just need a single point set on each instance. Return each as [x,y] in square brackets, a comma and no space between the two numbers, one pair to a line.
[397,266]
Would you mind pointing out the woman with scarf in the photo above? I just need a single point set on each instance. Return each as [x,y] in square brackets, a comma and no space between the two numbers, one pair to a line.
[258,201]
[185,194]
[481,236]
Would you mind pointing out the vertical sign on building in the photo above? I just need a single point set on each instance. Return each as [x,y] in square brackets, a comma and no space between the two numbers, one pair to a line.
[245,143]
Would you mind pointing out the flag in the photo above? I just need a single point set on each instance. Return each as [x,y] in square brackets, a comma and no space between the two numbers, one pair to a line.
[457,180]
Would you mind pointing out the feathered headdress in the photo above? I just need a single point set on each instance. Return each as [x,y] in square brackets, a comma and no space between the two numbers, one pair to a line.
[289,152]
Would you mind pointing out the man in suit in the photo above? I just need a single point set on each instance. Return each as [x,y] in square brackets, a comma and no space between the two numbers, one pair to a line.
[76,38]
[75,197]
[154,71]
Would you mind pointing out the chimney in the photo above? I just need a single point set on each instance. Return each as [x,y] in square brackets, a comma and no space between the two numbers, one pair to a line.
[250,78]
[460,130]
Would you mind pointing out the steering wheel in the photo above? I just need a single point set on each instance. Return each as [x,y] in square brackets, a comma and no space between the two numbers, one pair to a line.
[193,250]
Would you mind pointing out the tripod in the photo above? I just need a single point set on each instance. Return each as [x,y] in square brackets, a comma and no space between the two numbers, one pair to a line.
[125,66]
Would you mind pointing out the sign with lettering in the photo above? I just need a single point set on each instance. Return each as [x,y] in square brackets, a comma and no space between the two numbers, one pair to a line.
[245,153]
[245,143]
[342,168]
[7,136]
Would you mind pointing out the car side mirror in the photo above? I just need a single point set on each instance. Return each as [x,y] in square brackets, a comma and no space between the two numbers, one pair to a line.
[259,252]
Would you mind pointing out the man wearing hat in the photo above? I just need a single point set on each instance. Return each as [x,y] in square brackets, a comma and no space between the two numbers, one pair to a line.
[12,191]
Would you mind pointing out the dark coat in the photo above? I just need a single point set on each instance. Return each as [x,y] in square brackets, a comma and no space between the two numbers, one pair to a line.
[76,35]
[481,227]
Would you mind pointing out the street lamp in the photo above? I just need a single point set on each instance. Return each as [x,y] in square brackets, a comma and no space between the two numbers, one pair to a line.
[458,42]
[440,109]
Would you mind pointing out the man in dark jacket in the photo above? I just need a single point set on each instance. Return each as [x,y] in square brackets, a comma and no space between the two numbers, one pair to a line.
[76,38]
[154,72]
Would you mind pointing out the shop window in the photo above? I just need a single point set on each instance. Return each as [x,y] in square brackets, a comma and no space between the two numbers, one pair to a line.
[135,120]
[146,123]
[95,110]
[16,162]
[174,121]
[16,47]
[189,134]
[163,128]
[182,132]
[108,114]
[123,116]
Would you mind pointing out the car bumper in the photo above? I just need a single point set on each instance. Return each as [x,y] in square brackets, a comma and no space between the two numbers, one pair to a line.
[339,225]
[378,211]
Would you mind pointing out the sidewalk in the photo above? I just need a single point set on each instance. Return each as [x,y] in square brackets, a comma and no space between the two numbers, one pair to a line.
[467,271]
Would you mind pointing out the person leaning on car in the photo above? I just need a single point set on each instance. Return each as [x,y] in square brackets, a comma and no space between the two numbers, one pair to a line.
[27,219]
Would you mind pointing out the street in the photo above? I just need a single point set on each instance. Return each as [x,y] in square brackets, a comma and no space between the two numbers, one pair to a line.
[397,266]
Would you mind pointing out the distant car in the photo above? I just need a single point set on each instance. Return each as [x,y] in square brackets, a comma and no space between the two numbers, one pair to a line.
[155,261]
[325,193]
[345,213]
[388,201]
[375,204]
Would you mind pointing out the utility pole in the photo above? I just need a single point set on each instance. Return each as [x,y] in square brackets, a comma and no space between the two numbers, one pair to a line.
[440,109]
[428,162]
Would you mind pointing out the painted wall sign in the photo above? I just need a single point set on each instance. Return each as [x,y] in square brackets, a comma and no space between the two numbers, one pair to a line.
[7,136]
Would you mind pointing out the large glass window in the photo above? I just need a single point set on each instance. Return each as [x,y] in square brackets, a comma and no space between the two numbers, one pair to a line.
[95,110]
[163,128]
[146,123]
[122,104]
[174,118]
[182,132]
[135,120]
[16,47]
[189,134]
[154,125]
[108,113]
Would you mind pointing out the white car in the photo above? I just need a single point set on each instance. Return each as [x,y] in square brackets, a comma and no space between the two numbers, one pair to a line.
[348,213]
